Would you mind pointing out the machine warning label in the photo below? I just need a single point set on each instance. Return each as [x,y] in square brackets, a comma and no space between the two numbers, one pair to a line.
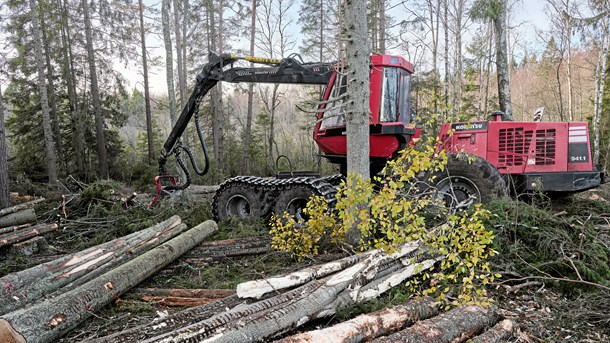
[578,153]
[482,125]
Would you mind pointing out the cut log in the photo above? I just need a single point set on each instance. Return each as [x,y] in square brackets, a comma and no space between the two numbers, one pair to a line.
[8,229]
[172,322]
[233,247]
[182,292]
[49,320]
[498,333]
[83,267]
[20,207]
[456,325]
[181,297]
[17,218]
[257,288]
[30,246]
[176,301]
[26,233]
[196,189]
[267,318]
[14,281]
[371,325]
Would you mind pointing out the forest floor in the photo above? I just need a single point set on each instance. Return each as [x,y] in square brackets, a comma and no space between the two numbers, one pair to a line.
[545,307]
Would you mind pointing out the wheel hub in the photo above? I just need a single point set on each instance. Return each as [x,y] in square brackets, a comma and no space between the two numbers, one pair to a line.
[457,190]
[238,206]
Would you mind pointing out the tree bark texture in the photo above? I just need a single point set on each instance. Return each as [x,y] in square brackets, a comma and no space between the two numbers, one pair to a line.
[355,34]
[173,322]
[371,325]
[496,334]
[49,320]
[502,62]
[7,210]
[75,269]
[26,233]
[95,96]
[456,325]
[49,143]
[4,190]
[18,218]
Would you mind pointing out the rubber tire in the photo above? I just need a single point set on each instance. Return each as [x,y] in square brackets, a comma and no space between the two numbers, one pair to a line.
[471,175]
[292,200]
[237,201]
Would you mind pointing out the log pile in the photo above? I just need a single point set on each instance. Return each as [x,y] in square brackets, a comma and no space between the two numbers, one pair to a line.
[48,300]
[17,227]
[275,306]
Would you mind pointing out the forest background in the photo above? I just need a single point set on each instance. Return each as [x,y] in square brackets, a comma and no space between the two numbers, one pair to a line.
[83,92]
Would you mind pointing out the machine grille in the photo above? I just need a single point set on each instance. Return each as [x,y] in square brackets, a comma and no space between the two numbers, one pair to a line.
[514,143]
[545,146]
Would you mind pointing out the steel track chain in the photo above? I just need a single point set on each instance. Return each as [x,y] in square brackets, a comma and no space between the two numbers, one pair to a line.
[268,188]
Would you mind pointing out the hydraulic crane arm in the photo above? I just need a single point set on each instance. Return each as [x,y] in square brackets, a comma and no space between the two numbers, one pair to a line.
[286,71]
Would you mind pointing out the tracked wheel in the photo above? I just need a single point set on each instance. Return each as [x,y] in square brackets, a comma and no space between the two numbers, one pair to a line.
[293,200]
[237,200]
[468,179]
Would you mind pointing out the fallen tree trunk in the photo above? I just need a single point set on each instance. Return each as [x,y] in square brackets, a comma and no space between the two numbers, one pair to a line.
[14,281]
[29,247]
[20,207]
[49,320]
[456,325]
[17,218]
[172,322]
[26,233]
[267,318]
[77,270]
[498,333]
[368,326]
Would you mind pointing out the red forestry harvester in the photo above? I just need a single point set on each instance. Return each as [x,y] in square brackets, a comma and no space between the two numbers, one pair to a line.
[545,156]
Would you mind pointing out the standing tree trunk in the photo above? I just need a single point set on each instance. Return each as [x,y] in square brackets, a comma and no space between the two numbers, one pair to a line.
[446,33]
[52,102]
[357,55]
[95,96]
[67,69]
[568,27]
[600,78]
[249,115]
[46,119]
[502,62]
[217,115]
[355,35]
[149,128]
[4,191]
[179,59]
[457,82]
[169,61]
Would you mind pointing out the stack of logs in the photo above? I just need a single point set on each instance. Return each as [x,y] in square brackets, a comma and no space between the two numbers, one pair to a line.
[42,303]
[19,231]
[268,309]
